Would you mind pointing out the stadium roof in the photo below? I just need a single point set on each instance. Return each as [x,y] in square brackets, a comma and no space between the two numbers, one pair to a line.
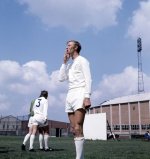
[128,99]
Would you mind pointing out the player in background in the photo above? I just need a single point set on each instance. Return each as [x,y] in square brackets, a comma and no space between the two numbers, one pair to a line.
[26,138]
[44,136]
[78,96]
[43,133]
[40,108]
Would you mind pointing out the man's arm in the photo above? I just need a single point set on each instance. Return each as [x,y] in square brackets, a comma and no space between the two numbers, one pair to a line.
[63,73]
[87,75]
[45,110]
[31,108]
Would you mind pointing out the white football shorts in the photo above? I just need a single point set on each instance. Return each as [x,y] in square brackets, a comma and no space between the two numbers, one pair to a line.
[45,124]
[74,99]
[30,121]
[38,119]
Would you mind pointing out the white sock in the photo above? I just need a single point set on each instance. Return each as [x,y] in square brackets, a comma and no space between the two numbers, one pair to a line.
[26,138]
[46,141]
[79,142]
[32,137]
[41,141]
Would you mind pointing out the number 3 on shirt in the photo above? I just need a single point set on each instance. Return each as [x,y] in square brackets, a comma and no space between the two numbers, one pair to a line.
[37,105]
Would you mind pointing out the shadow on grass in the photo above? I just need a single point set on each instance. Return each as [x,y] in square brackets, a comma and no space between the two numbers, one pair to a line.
[38,150]
[54,149]
[5,150]
[58,150]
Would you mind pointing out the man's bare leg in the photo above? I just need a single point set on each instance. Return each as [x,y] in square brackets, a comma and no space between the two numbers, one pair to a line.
[77,120]
[32,137]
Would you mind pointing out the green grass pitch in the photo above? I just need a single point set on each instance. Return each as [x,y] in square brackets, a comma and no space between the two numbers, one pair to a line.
[10,148]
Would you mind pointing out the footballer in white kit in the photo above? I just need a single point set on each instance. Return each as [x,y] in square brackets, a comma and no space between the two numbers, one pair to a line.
[78,97]
[40,109]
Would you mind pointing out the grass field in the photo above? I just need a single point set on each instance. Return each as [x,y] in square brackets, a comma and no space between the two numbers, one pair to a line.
[10,148]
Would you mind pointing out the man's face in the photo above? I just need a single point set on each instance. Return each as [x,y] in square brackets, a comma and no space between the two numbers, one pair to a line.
[70,48]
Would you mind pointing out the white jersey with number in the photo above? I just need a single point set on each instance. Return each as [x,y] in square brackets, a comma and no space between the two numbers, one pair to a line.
[40,107]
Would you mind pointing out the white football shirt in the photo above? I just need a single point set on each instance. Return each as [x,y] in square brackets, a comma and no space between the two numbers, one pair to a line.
[78,74]
[41,106]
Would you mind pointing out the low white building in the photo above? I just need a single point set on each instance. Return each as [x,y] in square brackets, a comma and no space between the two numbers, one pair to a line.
[10,125]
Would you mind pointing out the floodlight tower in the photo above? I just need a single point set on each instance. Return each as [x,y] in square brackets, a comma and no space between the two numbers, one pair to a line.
[140,73]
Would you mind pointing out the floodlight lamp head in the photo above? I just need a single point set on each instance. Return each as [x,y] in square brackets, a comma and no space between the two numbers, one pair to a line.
[139,44]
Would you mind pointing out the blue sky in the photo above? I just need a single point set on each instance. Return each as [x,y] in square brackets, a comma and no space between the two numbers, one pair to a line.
[33,35]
